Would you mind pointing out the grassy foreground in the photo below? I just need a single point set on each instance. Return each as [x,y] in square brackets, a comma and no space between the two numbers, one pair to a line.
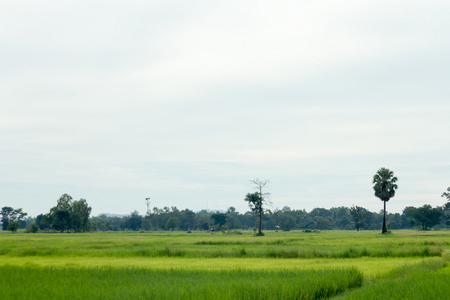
[174,265]
[132,283]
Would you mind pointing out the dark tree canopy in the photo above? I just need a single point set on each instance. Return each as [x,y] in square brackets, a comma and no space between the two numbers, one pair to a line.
[359,215]
[67,215]
[80,215]
[384,184]
[425,216]
[13,226]
[219,219]
[172,223]
[10,214]
[134,221]
[255,202]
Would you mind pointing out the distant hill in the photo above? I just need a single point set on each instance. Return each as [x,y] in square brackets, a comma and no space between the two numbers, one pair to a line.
[112,215]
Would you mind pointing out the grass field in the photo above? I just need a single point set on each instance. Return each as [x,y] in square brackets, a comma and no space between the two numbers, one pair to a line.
[171,265]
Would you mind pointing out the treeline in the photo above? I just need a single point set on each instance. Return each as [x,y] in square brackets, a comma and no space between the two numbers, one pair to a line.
[68,215]
[74,216]
[336,218]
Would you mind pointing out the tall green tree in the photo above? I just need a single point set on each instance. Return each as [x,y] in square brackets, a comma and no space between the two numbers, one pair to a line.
[287,221]
[219,219]
[13,226]
[46,221]
[446,213]
[6,216]
[64,202]
[384,185]
[172,223]
[359,216]
[426,216]
[62,213]
[134,222]
[61,220]
[80,215]
[187,219]
[446,207]
[10,214]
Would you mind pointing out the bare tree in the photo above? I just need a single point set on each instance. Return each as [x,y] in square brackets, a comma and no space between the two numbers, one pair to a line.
[257,200]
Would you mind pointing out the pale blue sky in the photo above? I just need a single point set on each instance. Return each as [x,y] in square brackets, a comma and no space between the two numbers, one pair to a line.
[185,102]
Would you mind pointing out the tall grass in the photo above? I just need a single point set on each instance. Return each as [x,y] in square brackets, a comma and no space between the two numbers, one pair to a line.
[164,265]
[200,244]
[427,280]
[33,282]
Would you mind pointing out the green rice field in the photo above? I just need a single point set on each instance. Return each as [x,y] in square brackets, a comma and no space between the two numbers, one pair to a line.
[198,265]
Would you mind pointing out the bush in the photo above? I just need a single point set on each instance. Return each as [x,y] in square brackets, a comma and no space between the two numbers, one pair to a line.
[32,228]
[13,226]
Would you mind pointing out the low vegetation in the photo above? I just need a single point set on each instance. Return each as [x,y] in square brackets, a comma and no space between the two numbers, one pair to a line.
[168,265]
[140,283]
[426,280]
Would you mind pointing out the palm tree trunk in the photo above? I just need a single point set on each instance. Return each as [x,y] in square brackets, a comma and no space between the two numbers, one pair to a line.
[260,219]
[259,224]
[384,230]
[260,211]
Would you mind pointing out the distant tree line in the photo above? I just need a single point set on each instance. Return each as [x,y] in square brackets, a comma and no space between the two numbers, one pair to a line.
[336,218]
[67,216]
[74,216]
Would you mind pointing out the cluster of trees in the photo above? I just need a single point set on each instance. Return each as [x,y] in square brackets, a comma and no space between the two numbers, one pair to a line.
[67,215]
[12,218]
[336,218]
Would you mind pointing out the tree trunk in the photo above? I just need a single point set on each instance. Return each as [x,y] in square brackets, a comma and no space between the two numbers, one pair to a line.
[259,224]
[260,211]
[384,230]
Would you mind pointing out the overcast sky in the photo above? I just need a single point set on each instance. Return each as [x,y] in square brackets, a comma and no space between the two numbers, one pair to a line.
[186,101]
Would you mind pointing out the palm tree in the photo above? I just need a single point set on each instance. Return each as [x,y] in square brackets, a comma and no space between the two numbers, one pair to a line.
[384,187]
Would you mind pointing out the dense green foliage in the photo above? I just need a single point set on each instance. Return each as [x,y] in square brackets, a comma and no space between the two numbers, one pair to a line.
[336,218]
[424,216]
[10,214]
[13,226]
[359,216]
[68,215]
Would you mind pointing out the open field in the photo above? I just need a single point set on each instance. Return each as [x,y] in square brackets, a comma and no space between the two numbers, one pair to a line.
[280,265]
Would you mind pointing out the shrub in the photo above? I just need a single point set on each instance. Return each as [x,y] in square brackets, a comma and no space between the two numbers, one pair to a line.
[32,228]
[13,226]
